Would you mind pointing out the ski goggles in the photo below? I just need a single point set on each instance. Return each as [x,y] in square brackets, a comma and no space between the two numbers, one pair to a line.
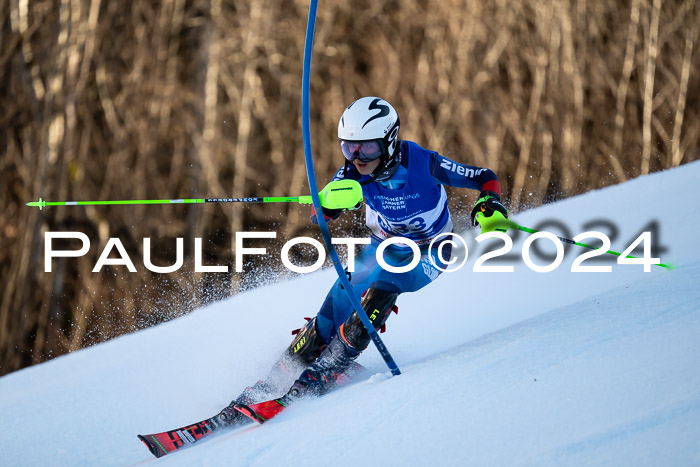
[364,151]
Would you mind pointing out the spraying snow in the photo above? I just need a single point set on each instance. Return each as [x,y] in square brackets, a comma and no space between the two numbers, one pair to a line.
[566,368]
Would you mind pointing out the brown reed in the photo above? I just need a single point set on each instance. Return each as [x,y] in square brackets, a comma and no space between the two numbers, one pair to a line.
[195,98]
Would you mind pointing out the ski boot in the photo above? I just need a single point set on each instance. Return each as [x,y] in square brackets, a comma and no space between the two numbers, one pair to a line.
[304,349]
[350,340]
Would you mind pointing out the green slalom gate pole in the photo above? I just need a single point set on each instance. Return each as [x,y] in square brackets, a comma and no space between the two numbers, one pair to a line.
[515,226]
[340,194]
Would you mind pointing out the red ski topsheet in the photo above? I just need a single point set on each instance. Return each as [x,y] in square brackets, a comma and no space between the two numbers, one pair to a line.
[162,443]
[263,411]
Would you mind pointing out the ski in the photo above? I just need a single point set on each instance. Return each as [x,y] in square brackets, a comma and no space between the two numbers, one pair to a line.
[166,442]
[233,416]
[263,411]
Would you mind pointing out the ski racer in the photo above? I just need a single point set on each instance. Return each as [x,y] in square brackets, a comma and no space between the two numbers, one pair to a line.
[403,187]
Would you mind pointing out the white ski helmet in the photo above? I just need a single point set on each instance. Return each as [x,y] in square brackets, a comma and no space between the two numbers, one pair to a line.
[370,119]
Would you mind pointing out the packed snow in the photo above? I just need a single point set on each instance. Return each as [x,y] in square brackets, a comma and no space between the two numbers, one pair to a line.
[519,368]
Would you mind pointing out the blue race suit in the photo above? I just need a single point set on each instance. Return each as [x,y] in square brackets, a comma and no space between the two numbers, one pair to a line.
[413,205]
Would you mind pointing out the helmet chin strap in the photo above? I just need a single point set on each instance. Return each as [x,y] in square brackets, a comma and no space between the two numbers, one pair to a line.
[387,168]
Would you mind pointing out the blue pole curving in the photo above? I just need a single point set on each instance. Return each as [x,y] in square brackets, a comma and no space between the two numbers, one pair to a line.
[308,46]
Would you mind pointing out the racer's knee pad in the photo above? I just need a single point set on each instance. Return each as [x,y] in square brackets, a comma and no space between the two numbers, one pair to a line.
[377,304]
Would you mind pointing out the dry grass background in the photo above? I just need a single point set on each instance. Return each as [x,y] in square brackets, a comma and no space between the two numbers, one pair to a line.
[201,98]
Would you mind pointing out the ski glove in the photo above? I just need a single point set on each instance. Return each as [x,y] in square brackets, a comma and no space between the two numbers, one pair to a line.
[489,213]
[330,214]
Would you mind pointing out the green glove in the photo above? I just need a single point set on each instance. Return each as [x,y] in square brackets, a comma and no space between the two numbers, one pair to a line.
[489,213]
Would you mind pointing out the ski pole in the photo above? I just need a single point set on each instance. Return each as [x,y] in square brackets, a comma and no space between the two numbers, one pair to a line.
[339,194]
[515,226]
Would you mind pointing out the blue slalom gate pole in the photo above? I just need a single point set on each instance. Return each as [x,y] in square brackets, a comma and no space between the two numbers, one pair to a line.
[308,46]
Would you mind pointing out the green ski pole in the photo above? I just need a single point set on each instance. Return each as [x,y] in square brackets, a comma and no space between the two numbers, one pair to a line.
[515,226]
[497,222]
[339,194]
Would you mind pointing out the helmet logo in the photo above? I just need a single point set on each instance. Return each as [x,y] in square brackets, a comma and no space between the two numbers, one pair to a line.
[375,105]
[394,133]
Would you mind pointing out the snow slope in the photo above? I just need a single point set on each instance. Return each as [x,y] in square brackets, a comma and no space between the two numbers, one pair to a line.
[517,368]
